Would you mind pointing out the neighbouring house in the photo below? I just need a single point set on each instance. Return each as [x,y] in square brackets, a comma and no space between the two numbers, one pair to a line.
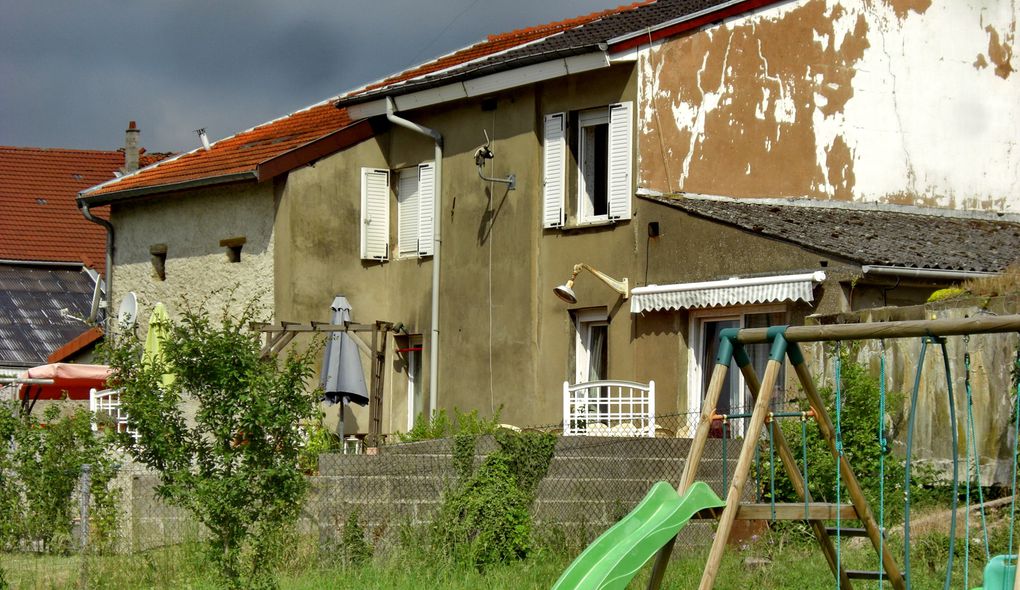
[51,258]
[738,163]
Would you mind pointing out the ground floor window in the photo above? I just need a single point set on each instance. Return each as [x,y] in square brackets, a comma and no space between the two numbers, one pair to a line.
[703,347]
[415,392]
[591,346]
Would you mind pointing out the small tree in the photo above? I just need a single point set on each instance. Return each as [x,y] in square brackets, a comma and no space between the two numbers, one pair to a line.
[223,433]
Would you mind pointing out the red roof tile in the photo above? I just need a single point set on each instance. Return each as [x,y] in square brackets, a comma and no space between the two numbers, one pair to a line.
[244,152]
[75,345]
[495,44]
[39,219]
[236,154]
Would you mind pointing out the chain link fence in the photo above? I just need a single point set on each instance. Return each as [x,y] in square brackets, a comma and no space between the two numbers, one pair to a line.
[394,494]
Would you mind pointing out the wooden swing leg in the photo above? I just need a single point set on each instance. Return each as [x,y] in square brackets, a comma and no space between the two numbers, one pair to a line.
[708,407]
[740,473]
[797,480]
[860,503]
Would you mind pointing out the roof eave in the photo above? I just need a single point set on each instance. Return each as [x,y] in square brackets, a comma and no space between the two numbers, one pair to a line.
[116,196]
[336,141]
[685,23]
[476,83]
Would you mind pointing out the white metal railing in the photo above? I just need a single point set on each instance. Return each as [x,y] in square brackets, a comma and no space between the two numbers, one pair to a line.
[107,402]
[609,408]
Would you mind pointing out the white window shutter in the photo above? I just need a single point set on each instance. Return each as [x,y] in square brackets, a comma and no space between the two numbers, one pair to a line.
[375,214]
[426,204]
[408,214]
[554,161]
[620,150]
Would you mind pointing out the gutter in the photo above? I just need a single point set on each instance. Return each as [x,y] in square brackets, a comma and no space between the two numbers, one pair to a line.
[108,269]
[685,23]
[437,217]
[923,273]
[57,264]
[108,198]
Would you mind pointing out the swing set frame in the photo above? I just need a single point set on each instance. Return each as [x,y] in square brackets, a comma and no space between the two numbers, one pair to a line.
[784,346]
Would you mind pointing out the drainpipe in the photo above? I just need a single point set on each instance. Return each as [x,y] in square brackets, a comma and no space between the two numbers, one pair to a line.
[108,271]
[437,221]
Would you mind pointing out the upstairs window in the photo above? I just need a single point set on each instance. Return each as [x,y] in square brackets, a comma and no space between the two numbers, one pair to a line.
[415,195]
[598,154]
[415,199]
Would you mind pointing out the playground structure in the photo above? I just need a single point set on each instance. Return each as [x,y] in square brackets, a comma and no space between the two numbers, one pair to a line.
[615,557]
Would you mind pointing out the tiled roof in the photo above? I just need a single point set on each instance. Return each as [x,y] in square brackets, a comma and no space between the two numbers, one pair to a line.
[39,219]
[869,235]
[31,297]
[545,42]
[493,45]
[240,154]
[247,154]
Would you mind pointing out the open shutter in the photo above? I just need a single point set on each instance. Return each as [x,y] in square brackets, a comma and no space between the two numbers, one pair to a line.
[554,159]
[375,214]
[408,204]
[426,204]
[620,149]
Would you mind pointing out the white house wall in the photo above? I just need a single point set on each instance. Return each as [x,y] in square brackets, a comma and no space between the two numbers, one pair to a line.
[197,268]
[890,101]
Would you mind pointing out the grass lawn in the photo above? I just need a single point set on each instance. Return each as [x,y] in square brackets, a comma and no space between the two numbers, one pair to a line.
[793,564]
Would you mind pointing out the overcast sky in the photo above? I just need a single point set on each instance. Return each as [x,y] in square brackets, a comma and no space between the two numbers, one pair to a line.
[73,73]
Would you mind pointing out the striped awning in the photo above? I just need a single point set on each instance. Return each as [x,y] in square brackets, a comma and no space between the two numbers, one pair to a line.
[733,291]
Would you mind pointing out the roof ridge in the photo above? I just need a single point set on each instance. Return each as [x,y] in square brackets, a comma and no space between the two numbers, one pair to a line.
[566,23]
[60,149]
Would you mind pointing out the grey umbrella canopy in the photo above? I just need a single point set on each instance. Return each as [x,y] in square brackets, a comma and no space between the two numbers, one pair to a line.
[343,379]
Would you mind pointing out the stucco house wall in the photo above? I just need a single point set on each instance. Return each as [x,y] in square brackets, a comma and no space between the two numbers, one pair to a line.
[191,225]
[895,101]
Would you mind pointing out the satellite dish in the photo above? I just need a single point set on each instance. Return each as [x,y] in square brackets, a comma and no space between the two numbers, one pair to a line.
[128,312]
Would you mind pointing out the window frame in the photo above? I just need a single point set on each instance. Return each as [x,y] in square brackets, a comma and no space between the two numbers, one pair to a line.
[563,145]
[696,351]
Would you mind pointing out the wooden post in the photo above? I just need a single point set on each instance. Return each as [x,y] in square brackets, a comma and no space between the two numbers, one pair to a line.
[376,385]
[740,473]
[850,479]
[708,406]
[797,480]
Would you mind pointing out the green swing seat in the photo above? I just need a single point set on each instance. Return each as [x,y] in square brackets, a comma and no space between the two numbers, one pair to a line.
[999,573]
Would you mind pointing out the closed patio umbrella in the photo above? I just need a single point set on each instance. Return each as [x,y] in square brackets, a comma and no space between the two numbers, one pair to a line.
[159,330]
[343,379]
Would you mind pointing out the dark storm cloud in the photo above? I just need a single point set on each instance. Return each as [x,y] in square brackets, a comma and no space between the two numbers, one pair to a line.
[73,73]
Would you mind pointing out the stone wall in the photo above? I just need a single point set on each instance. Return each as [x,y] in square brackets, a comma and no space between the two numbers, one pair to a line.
[992,357]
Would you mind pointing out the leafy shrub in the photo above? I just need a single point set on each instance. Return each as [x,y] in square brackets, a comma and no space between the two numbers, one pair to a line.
[486,519]
[439,425]
[234,464]
[861,447]
[319,440]
[40,471]
[354,549]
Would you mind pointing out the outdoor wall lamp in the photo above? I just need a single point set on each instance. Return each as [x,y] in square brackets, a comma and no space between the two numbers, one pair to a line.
[566,292]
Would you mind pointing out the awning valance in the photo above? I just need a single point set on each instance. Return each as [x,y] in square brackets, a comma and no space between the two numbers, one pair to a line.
[733,291]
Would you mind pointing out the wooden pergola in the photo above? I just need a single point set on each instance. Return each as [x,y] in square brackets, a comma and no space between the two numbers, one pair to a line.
[278,336]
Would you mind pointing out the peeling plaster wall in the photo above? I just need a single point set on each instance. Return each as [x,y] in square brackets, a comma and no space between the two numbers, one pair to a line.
[893,101]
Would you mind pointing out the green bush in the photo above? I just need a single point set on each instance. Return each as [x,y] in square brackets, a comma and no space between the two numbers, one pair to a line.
[485,520]
[234,464]
[861,447]
[40,472]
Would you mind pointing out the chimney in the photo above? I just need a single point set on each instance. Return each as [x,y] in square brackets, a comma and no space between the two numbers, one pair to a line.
[202,136]
[131,148]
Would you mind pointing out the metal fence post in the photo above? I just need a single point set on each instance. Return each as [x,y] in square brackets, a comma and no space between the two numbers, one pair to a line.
[86,484]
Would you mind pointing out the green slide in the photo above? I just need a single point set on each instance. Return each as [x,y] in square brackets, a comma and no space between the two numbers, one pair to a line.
[617,555]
